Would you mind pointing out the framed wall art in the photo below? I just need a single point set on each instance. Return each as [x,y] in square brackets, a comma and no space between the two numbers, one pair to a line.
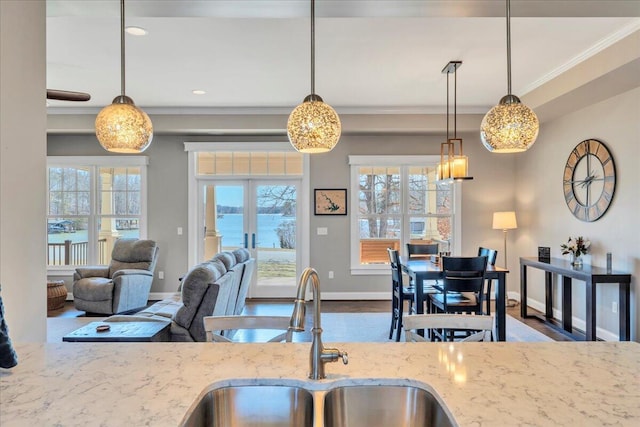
[328,201]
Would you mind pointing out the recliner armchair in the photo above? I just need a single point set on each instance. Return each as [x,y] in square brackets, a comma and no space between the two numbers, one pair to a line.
[121,286]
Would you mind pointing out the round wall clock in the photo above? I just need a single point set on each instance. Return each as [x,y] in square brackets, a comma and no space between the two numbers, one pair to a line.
[589,180]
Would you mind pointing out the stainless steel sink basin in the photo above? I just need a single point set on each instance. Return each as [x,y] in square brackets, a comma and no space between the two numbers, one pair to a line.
[383,405]
[249,406]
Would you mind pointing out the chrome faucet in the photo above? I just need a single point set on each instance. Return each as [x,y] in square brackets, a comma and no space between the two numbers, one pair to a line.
[319,355]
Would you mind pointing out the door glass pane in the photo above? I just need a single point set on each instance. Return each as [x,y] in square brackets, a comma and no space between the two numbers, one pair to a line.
[276,234]
[224,218]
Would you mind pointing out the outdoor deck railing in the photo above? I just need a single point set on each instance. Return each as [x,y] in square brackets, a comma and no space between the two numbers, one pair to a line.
[73,253]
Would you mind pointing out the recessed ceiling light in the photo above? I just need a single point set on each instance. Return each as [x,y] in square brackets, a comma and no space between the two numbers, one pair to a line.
[136,31]
[198,92]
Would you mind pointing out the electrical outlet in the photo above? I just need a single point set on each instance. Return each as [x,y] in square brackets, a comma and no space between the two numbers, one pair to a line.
[161,275]
[614,307]
[331,275]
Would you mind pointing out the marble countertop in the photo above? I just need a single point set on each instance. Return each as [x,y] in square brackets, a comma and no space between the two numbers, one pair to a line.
[487,384]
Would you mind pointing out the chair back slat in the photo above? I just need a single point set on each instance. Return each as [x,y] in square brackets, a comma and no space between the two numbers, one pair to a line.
[421,250]
[214,324]
[469,322]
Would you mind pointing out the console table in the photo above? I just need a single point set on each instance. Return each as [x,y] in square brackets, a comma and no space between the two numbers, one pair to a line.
[592,276]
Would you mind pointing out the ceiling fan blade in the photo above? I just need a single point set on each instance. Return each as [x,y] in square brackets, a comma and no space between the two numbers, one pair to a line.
[67,95]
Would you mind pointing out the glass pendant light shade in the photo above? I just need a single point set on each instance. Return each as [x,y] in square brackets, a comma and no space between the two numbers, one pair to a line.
[123,128]
[509,127]
[313,126]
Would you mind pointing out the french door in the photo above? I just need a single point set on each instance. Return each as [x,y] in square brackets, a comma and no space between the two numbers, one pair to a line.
[260,215]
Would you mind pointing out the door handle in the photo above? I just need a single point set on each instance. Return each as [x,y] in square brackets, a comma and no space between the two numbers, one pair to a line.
[253,240]
[246,240]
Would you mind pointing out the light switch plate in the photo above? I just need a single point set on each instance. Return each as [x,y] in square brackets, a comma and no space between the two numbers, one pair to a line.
[323,231]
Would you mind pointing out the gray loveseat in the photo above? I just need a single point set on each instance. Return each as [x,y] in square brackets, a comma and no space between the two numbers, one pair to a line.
[215,287]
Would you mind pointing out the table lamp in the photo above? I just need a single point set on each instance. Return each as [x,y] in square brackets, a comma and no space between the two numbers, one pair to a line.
[504,221]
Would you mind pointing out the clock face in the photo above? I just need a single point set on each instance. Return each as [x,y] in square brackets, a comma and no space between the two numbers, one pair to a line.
[589,180]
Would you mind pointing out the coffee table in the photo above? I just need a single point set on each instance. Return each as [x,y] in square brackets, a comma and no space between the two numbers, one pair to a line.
[121,332]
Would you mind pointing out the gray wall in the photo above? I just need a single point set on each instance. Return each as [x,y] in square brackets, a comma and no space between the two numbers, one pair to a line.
[546,220]
[492,189]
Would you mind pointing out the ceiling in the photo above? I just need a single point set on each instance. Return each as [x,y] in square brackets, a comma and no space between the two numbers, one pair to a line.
[382,57]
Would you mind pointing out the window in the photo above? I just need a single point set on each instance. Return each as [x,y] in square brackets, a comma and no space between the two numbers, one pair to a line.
[397,200]
[91,202]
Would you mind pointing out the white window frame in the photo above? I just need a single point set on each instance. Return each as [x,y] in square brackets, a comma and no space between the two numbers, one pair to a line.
[95,163]
[394,161]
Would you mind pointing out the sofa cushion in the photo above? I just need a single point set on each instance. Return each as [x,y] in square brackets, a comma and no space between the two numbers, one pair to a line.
[241,255]
[93,289]
[227,258]
[194,286]
[132,254]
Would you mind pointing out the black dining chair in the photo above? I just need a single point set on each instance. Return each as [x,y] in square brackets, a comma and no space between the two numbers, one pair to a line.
[421,249]
[491,255]
[399,294]
[462,287]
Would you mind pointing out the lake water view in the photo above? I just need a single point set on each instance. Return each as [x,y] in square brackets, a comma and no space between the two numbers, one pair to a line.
[232,229]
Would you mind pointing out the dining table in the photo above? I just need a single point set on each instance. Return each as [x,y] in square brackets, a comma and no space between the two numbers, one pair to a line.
[421,269]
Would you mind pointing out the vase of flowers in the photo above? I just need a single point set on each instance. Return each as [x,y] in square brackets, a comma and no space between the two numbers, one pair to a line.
[576,247]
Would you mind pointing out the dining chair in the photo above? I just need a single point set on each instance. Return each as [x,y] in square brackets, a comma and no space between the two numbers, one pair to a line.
[399,294]
[482,325]
[222,328]
[491,255]
[422,250]
[462,287]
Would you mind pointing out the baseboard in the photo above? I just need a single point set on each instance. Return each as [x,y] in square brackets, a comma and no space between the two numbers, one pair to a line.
[577,322]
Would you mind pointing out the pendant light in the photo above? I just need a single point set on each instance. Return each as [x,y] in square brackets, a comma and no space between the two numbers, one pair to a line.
[313,126]
[510,126]
[122,127]
[452,166]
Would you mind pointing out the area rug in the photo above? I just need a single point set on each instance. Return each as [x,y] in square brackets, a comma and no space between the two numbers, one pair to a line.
[337,327]
[374,327]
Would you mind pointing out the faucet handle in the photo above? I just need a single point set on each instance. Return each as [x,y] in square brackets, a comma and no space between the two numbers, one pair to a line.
[345,357]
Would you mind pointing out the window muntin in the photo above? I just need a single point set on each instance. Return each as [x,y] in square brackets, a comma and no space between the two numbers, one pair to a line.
[91,202]
[248,163]
[398,203]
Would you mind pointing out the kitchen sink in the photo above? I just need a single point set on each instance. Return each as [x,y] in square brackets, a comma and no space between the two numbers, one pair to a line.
[329,405]
[383,405]
[253,406]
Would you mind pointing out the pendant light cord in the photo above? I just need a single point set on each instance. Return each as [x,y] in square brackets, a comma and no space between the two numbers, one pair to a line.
[122,79]
[313,47]
[509,47]
[455,103]
[447,106]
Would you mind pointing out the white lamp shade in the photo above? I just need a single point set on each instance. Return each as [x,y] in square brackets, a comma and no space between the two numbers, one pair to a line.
[504,220]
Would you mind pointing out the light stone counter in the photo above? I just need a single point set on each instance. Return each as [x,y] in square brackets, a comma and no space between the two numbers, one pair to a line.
[482,384]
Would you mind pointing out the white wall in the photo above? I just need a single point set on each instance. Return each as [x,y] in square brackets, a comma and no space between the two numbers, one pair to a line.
[545,220]
[22,168]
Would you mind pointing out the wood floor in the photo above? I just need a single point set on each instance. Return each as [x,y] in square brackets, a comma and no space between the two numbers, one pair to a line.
[284,307]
